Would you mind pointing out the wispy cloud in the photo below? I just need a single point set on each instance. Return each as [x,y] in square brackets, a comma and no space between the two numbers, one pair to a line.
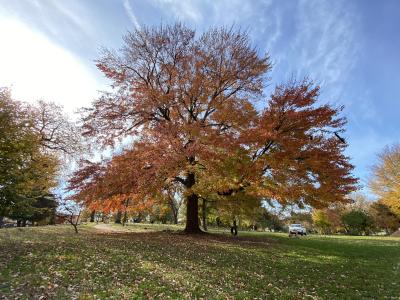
[183,10]
[243,14]
[77,15]
[325,44]
[130,13]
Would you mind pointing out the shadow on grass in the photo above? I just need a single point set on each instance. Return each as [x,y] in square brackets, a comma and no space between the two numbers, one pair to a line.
[252,265]
[56,263]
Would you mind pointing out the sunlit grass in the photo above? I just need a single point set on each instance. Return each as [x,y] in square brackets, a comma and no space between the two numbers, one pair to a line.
[146,262]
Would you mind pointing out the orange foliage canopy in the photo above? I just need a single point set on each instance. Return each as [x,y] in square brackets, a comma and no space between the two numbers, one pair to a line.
[188,103]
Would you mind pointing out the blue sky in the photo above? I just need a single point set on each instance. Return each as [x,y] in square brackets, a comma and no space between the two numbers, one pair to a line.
[350,47]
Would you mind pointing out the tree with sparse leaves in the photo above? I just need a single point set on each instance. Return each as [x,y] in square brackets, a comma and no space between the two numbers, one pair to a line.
[72,211]
[56,132]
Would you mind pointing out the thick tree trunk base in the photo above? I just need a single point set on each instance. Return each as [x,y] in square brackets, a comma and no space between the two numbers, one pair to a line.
[118,218]
[194,231]
[92,215]
[192,215]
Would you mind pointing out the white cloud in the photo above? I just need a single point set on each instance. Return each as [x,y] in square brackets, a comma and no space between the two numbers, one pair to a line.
[76,14]
[326,42]
[130,13]
[36,68]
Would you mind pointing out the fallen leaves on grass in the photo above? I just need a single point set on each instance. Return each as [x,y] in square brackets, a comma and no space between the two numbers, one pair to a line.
[168,265]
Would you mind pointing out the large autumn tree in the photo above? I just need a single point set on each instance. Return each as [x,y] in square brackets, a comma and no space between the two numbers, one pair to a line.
[188,103]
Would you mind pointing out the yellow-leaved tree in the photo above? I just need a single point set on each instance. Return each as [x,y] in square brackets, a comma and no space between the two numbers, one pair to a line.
[385,181]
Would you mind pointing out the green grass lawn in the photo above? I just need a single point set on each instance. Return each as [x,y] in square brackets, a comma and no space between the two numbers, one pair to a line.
[145,262]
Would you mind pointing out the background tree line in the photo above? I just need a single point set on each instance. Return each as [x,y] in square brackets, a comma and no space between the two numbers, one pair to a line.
[361,217]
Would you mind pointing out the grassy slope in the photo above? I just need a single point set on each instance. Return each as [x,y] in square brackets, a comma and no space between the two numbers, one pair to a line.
[142,263]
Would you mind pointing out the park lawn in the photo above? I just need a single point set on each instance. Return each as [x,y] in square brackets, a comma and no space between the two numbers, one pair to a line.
[152,261]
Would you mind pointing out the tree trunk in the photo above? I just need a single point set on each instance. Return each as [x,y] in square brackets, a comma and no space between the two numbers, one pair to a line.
[174,210]
[234,228]
[92,216]
[1,221]
[192,214]
[192,206]
[118,217]
[52,220]
[175,218]
[204,214]
[125,218]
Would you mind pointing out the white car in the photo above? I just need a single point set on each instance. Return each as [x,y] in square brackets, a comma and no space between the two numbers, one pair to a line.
[297,229]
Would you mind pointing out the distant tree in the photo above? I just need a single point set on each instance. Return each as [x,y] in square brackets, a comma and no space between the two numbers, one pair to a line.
[359,201]
[92,215]
[168,203]
[385,180]
[304,218]
[357,222]
[204,213]
[334,214]
[189,103]
[384,218]
[329,220]
[174,200]
[118,217]
[321,221]
[39,210]
[44,210]
[270,220]
[22,210]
